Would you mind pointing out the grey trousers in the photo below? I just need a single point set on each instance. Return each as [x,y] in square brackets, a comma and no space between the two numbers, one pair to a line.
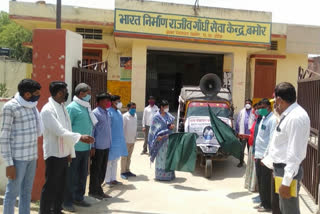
[146,135]
[291,205]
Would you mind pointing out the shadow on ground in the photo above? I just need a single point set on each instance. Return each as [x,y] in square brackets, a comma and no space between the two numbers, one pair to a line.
[236,195]
[180,187]
[139,178]
[222,169]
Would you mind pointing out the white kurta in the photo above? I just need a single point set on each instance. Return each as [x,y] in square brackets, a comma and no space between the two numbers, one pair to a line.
[58,138]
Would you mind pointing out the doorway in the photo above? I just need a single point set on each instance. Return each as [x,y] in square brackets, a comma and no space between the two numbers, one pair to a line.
[168,71]
[265,78]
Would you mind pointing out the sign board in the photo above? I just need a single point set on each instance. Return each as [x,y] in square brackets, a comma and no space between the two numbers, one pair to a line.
[5,52]
[171,26]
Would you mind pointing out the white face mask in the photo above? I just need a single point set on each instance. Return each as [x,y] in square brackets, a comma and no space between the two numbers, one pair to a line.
[166,110]
[248,106]
[119,105]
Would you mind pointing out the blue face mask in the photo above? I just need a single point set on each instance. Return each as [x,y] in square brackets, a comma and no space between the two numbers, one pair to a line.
[87,98]
[132,111]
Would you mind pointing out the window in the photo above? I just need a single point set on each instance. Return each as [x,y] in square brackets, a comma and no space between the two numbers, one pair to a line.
[90,56]
[90,33]
[274,46]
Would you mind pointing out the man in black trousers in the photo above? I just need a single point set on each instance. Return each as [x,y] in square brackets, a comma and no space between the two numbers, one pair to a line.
[101,146]
[58,147]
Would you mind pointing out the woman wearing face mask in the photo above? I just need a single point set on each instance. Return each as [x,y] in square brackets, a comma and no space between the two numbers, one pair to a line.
[161,127]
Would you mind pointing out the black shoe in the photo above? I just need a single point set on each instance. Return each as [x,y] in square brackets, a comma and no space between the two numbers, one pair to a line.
[124,176]
[144,152]
[240,165]
[97,196]
[130,174]
[70,209]
[82,203]
[105,196]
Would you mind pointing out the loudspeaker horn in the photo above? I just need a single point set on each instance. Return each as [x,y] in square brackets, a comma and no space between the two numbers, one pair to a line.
[210,84]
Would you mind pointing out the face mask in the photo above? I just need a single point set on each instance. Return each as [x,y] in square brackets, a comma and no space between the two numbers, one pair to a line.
[119,105]
[248,106]
[34,98]
[87,98]
[166,110]
[108,105]
[208,135]
[132,111]
[151,103]
[66,96]
[263,112]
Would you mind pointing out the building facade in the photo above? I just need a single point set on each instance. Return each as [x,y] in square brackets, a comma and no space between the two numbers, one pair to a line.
[154,48]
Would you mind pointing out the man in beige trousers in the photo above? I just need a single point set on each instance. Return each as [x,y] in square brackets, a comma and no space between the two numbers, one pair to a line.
[130,133]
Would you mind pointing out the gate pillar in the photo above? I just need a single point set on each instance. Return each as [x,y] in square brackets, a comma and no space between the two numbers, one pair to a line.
[55,52]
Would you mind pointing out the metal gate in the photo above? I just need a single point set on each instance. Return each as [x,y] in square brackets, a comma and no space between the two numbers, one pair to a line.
[96,79]
[309,99]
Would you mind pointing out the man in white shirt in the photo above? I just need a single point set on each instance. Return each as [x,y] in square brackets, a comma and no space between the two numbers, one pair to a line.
[130,125]
[148,114]
[288,145]
[58,147]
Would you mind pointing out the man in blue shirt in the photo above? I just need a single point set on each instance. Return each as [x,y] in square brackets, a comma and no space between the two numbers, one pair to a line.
[266,128]
[82,121]
[118,144]
[100,149]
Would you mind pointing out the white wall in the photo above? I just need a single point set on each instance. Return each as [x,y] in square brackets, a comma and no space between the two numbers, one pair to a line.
[12,72]
[73,55]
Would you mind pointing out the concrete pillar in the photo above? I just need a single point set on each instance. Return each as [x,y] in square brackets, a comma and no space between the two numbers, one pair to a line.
[139,74]
[239,79]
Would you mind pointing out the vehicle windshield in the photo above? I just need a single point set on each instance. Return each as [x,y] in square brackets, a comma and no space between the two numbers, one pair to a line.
[201,109]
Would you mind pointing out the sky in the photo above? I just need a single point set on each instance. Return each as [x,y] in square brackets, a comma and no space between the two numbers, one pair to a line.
[305,12]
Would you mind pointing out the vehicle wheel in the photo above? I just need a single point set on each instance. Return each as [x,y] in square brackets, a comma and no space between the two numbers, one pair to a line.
[208,168]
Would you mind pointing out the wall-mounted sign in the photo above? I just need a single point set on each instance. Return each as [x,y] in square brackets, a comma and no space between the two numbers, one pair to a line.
[125,68]
[170,26]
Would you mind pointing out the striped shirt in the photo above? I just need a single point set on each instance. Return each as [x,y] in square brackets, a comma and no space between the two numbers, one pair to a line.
[19,135]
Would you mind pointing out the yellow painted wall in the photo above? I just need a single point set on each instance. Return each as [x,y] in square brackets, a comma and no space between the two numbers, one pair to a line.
[238,60]
[12,72]
[67,12]
[123,89]
[287,69]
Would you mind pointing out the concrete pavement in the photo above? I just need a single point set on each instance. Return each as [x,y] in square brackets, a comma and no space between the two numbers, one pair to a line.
[190,193]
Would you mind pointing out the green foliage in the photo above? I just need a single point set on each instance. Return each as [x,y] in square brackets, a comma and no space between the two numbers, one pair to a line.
[3,90]
[12,36]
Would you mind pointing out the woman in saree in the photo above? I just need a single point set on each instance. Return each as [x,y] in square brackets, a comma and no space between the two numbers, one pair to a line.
[161,128]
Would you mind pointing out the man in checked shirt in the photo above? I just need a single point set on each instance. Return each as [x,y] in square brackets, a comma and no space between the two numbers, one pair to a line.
[21,127]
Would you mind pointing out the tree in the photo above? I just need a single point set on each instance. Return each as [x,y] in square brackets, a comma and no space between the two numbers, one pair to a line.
[12,36]
[3,90]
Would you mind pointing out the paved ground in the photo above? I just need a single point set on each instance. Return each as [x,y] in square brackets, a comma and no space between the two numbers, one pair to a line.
[189,193]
